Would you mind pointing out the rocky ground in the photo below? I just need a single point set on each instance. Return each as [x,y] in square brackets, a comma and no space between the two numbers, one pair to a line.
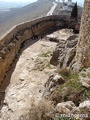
[39,88]
[29,76]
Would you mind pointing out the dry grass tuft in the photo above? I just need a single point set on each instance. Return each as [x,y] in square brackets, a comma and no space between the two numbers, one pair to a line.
[65,72]
[44,110]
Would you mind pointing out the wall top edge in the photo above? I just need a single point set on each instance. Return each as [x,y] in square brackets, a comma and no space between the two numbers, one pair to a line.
[22,23]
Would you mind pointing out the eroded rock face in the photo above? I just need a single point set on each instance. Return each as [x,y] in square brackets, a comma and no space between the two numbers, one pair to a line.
[65,50]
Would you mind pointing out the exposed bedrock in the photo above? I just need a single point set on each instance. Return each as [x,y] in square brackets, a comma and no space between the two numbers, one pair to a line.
[65,51]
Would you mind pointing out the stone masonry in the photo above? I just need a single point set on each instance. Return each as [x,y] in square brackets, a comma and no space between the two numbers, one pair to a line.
[83,48]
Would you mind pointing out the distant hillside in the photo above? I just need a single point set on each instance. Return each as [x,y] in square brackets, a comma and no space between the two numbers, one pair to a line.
[7,5]
[28,12]
[16,16]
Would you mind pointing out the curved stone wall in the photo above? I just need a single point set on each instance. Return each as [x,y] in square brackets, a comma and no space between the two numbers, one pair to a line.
[11,42]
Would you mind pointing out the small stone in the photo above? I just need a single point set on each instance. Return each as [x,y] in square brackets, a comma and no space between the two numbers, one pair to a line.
[58,79]
[85,82]
[65,107]
[85,105]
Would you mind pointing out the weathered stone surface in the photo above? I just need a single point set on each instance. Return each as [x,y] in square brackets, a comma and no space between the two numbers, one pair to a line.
[52,83]
[26,83]
[72,41]
[54,80]
[65,51]
[72,37]
[40,64]
[83,48]
[85,104]
[85,81]
[70,54]
[54,59]
[69,108]
[71,44]
[18,115]
[84,77]
[84,108]
[65,107]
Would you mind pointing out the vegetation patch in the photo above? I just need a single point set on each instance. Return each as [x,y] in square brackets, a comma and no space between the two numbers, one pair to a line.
[71,90]
[45,54]
[45,110]
[68,74]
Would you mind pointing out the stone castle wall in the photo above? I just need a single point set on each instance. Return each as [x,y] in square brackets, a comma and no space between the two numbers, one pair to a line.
[11,41]
[83,48]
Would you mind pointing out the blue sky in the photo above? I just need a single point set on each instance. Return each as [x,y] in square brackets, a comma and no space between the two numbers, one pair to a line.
[29,1]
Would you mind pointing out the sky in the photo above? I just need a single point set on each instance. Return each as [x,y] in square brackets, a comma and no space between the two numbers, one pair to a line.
[30,1]
[81,2]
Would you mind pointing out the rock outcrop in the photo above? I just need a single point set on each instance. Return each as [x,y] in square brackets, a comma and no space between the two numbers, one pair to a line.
[65,50]
[27,80]
[68,109]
